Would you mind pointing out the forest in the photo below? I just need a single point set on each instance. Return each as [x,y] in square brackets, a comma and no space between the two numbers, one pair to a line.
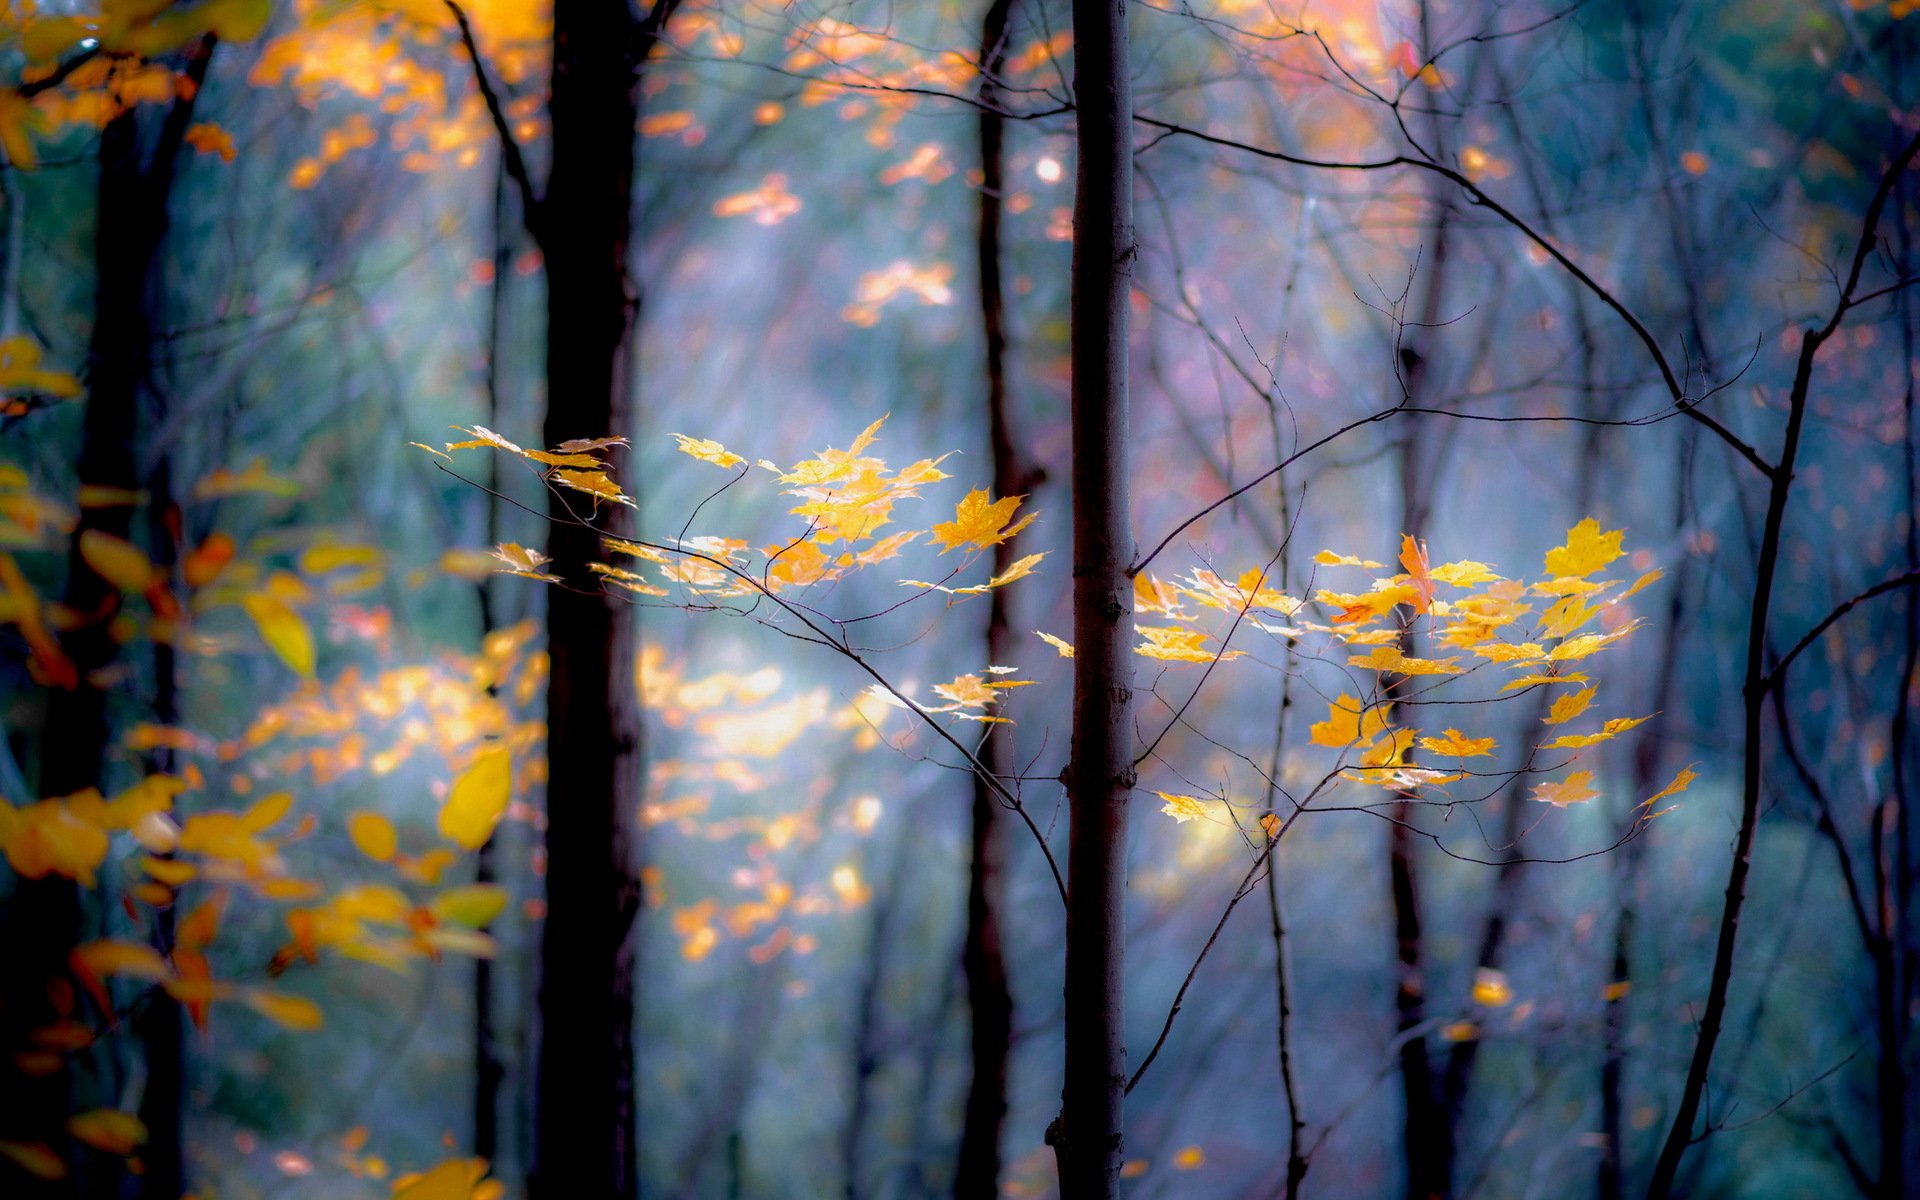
[970,598]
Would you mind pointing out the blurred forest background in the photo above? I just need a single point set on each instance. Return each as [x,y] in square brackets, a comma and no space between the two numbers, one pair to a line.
[340,863]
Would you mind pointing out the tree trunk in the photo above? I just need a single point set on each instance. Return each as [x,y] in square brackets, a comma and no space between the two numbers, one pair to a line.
[1100,772]
[585,1140]
[989,1000]
[130,223]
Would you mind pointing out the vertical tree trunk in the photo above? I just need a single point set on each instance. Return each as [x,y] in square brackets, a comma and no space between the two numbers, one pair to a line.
[131,222]
[487,1070]
[1100,772]
[585,1142]
[989,1000]
[1755,683]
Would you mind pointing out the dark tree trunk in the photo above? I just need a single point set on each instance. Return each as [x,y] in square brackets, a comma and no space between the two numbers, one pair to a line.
[1757,681]
[131,222]
[585,1139]
[1100,773]
[989,1000]
[488,1073]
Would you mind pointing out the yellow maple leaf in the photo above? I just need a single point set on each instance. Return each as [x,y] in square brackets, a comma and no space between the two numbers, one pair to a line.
[979,522]
[1065,649]
[117,561]
[1538,678]
[1182,808]
[593,483]
[478,799]
[1348,723]
[108,1130]
[708,450]
[1566,708]
[1389,658]
[474,905]
[1587,550]
[373,835]
[1328,558]
[1171,643]
[283,629]
[1574,789]
[1464,573]
[1680,783]
[1454,744]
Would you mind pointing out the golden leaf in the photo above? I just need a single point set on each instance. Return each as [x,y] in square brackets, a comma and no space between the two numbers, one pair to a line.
[117,561]
[373,835]
[285,633]
[474,905]
[108,1130]
[292,1012]
[979,522]
[1587,550]
[1065,649]
[478,799]
[1566,708]
[1454,744]
[1574,789]
[709,451]
[1182,808]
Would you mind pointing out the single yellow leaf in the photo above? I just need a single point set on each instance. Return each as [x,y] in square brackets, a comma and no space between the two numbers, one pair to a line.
[709,451]
[1065,649]
[979,522]
[593,483]
[451,1180]
[1328,558]
[1182,808]
[474,905]
[1574,789]
[35,1158]
[1454,744]
[1348,724]
[478,799]
[292,1012]
[1680,784]
[108,1130]
[1566,708]
[1490,988]
[117,561]
[285,633]
[1587,550]
[373,835]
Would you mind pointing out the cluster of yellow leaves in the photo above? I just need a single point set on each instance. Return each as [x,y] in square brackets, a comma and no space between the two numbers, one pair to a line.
[118,42]
[1530,630]
[396,58]
[848,499]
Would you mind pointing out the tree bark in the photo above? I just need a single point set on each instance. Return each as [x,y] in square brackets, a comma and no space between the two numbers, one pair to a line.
[131,221]
[1100,772]
[585,1143]
[1757,681]
[989,999]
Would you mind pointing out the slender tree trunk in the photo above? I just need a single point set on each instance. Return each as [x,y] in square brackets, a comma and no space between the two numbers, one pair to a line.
[488,1073]
[130,224]
[1427,1130]
[989,1000]
[585,1140]
[1755,683]
[162,1025]
[1100,772]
